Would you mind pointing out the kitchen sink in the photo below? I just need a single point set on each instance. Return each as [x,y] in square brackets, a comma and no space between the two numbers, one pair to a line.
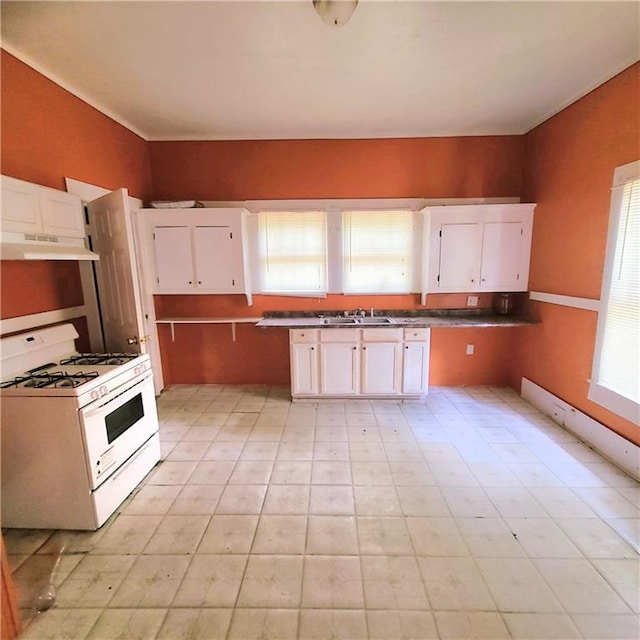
[375,320]
[352,321]
[339,321]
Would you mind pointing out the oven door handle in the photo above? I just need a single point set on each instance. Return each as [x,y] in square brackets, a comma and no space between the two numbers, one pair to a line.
[131,391]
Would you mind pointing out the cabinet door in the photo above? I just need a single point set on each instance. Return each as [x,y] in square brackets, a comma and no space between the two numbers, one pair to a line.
[174,267]
[415,365]
[460,253]
[339,368]
[216,260]
[304,369]
[502,255]
[62,214]
[381,368]
[20,206]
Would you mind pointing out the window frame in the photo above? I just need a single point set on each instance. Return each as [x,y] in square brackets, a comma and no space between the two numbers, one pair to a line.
[413,259]
[260,277]
[598,393]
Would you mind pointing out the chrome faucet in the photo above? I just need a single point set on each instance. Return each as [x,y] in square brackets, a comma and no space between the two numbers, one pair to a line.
[357,313]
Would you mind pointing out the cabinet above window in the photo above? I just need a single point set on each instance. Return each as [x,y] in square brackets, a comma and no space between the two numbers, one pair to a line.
[471,248]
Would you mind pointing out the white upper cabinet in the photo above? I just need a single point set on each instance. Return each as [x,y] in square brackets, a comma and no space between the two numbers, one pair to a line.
[172,250]
[195,250]
[477,248]
[460,255]
[32,209]
[505,256]
[217,259]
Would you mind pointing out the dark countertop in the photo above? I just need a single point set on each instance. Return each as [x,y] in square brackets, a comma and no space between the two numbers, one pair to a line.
[401,318]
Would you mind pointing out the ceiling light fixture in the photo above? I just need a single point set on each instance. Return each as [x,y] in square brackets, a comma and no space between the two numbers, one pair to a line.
[335,13]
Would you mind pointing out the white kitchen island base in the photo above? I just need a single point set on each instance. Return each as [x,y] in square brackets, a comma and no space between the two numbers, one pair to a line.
[379,363]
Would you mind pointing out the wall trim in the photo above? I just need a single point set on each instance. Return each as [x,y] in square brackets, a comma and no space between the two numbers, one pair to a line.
[615,448]
[589,304]
[24,323]
[339,204]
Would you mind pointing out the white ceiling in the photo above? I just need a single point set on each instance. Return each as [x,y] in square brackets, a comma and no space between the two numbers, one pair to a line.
[274,70]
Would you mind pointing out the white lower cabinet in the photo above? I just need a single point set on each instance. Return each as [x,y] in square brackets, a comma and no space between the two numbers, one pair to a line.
[304,363]
[415,361]
[359,362]
[381,361]
[339,362]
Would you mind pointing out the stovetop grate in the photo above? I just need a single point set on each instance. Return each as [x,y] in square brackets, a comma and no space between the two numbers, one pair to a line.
[99,358]
[52,379]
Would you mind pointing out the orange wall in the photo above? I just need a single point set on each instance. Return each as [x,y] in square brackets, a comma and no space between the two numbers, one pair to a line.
[392,168]
[569,166]
[297,169]
[49,134]
[36,286]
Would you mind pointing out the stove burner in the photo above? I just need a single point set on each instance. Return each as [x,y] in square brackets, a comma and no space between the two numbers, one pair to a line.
[55,379]
[99,358]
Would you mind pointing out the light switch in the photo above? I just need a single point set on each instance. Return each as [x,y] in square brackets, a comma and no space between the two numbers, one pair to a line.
[470,349]
[472,301]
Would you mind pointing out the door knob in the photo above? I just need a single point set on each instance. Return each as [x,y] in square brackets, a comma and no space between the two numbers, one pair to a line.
[133,340]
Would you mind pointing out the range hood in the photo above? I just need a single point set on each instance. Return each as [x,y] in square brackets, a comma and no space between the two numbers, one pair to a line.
[24,246]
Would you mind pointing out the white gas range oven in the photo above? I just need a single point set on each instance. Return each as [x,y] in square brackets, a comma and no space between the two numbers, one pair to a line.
[79,431]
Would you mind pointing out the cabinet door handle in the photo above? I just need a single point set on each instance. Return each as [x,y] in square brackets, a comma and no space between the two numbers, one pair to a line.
[484,279]
[312,348]
[472,280]
[354,348]
[190,282]
[406,346]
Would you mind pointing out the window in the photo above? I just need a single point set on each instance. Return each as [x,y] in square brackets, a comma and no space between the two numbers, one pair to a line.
[615,380]
[293,252]
[377,251]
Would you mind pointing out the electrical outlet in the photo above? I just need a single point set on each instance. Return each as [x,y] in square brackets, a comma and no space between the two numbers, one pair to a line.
[470,349]
[472,301]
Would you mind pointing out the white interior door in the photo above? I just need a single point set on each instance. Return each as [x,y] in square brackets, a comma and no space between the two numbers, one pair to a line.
[116,273]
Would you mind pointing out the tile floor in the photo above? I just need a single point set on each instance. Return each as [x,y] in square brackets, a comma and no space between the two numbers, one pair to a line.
[468,515]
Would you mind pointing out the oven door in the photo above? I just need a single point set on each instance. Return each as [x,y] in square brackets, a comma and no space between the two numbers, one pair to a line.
[116,426]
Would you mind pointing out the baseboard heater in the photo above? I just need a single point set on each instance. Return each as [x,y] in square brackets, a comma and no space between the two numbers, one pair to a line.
[617,449]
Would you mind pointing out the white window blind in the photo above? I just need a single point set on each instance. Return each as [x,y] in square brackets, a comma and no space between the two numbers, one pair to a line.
[616,376]
[377,251]
[293,252]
